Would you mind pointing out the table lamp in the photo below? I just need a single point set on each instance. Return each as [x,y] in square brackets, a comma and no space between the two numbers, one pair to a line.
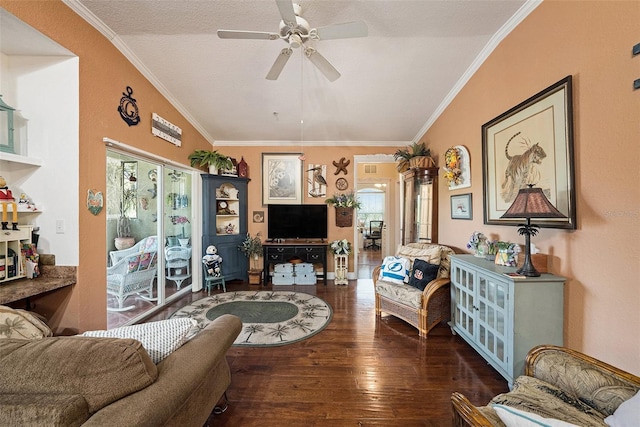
[530,203]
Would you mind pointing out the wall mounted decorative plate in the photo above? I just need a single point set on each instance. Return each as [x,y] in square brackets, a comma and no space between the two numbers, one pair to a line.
[342,184]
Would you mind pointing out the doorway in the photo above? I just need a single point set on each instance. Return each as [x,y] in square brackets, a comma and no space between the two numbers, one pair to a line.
[377,185]
[149,229]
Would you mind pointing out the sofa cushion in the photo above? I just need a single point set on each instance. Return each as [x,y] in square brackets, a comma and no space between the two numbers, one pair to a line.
[429,253]
[404,294]
[99,369]
[21,324]
[395,269]
[159,338]
[513,417]
[40,409]
[627,414]
[422,273]
[539,397]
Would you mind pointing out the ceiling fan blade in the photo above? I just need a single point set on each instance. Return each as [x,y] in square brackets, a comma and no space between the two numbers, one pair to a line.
[277,66]
[322,64]
[233,34]
[286,11]
[342,31]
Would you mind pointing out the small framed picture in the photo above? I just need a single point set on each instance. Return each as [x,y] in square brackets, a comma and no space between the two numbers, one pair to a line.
[461,207]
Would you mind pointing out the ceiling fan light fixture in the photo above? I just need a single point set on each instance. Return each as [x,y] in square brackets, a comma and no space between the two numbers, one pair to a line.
[295,41]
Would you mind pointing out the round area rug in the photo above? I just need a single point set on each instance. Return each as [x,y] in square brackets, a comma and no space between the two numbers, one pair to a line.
[269,318]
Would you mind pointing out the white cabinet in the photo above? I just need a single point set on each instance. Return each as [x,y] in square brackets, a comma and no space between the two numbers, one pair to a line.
[502,318]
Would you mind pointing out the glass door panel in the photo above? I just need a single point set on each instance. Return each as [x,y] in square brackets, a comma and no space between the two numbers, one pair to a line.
[177,225]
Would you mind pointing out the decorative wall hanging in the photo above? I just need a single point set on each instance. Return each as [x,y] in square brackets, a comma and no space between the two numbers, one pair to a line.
[341,166]
[281,178]
[316,181]
[166,130]
[457,169]
[461,207]
[342,184]
[532,143]
[128,108]
[243,168]
[258,216]
[95,201]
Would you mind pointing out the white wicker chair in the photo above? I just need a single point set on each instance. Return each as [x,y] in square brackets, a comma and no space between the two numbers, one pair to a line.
[132,275]
[149,243]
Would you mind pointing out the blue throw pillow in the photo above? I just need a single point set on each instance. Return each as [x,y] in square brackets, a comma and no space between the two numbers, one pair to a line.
[422,273]
[395,270]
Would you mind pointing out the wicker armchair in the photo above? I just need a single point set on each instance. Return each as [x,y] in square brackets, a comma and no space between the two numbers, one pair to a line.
[558,383]
[421,309]
[149,243]
[132,275]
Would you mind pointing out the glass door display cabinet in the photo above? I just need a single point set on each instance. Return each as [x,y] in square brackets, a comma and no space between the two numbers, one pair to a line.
[225,221]
[420,205]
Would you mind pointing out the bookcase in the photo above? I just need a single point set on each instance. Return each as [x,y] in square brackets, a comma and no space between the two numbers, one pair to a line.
[12,260]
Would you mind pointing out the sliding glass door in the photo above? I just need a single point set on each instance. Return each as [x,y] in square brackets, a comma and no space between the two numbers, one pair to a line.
[149,218]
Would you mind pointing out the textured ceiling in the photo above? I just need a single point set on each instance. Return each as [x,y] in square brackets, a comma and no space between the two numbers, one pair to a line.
[393,82]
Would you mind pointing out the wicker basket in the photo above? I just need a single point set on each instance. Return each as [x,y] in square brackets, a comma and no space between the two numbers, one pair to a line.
[344,217]
[421,162]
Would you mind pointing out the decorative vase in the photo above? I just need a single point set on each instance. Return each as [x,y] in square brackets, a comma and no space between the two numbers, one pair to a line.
[213,170]
[481,251]
[255,277]
[502,257]
[124,242]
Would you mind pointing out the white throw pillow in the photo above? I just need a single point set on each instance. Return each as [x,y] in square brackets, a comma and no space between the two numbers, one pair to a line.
[159,338]
[395,270]
[627,414]
[513,417]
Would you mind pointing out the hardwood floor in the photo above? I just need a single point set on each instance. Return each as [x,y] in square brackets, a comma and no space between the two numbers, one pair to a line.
[359,371]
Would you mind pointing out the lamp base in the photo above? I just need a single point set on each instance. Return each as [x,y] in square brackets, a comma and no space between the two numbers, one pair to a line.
[527,268]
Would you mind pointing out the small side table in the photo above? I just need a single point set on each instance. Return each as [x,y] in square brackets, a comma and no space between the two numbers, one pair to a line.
[341,263]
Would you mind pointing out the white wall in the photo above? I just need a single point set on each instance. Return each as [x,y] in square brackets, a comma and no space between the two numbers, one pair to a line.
[45,90]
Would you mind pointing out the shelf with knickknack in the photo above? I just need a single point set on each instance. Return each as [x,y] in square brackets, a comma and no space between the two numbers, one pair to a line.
[13,262]
[227,210]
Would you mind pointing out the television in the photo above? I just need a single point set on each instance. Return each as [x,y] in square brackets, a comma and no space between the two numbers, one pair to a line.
[297,222]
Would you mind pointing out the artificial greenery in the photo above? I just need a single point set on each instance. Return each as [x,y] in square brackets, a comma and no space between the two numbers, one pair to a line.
[344,200]
[251,247]
[415,149]
[210,158]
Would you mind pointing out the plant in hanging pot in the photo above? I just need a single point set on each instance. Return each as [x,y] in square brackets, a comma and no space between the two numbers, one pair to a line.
[251,247]
[214,160]
[344,203]
[416,155]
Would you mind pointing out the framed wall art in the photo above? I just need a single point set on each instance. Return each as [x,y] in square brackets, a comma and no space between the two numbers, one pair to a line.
[281,178]
[461,207]
[532,143]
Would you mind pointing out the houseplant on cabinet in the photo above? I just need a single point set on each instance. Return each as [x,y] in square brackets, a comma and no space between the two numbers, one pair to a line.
[251,247]
[416,155]
[214,160]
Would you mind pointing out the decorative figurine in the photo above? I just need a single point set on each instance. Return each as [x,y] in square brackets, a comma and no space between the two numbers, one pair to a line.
[212,261]
[6,199]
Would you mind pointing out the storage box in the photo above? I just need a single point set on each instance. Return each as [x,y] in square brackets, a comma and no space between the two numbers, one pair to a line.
[283,268]
[304,268]
[282,279]
[305,279]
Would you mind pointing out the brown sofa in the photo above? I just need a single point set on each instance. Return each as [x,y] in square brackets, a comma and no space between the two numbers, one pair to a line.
[90,381]
[559,383]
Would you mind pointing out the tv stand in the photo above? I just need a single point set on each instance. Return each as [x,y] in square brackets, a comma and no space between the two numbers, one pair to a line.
[282,251]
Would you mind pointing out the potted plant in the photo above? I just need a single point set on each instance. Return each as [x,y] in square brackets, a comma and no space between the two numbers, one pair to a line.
[214,160]
[251,247]
[125,239]
[416,155]
[344,203]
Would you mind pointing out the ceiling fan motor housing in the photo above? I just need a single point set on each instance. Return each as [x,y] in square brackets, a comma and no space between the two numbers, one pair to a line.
[301,29]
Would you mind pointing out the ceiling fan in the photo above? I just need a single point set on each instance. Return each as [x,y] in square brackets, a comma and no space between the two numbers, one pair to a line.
[296,32]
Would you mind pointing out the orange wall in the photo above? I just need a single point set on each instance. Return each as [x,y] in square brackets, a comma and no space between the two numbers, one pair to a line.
[104,76]
[592,42]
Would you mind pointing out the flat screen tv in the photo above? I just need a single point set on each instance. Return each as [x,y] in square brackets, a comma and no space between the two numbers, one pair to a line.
[297,222]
